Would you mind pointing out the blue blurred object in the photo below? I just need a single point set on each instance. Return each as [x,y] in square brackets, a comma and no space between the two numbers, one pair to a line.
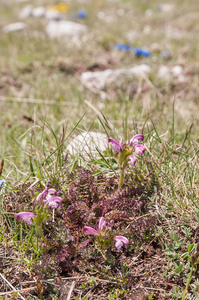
[142,52]
[165,53]
[122,47]
[82,14]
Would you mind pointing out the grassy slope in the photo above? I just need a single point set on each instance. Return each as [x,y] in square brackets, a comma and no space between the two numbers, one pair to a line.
[32,66]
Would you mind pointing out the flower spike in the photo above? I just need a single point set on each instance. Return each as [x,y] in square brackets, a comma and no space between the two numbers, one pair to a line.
[54,202]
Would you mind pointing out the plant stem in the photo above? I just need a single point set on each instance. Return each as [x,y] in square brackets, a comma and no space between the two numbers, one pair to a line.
[121,177]
[188,281]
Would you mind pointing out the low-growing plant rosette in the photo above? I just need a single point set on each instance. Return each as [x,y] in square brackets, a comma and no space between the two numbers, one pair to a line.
[45,200]
[124,153]
[104,237]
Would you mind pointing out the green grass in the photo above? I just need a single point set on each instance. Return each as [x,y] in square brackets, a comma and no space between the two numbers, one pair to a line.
[41,91]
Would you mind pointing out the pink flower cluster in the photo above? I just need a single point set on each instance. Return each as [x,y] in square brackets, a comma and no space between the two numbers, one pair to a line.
[134,143]
[119,240]
[49,197]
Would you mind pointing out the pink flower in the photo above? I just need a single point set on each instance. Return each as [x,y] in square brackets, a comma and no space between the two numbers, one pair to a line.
[115,145]
[26,216]
[132,160]
[120,240]
[92,231]
[49,196]
[54,202]
[134,140]
[42,195]
[139,149]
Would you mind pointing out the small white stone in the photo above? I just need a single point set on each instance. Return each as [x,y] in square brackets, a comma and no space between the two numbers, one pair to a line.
[177,70]
[148,12]
[164,73]
[64,28]
[38,12]
[120,12]
[53,14]
[166,7]
[26,12]
[87,142]
[14,27]
[132,35]
[99,79]
[101,15]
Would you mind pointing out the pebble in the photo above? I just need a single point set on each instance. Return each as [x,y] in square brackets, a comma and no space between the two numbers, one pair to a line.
[55,15]
[86,143]
[26,12]
[164,72]
[166,7]
[64,28]
[176,70]
[148,12]
[38,12]
[99,79]
[14,27]
[101,15]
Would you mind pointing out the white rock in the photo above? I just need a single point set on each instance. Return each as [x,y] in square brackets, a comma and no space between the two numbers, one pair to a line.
[64,28]
[38,12]
[177,70]
[164,73]
[148,12]
[101,15]
[99,79]
[120,12]
[166,7]
[53,14]
[87,142]
[14,27]
[26,12]
[132,35]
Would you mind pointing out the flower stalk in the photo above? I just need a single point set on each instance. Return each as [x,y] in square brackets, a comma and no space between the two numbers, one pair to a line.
[124,153]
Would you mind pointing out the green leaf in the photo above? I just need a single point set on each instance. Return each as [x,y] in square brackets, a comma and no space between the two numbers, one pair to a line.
[191,247]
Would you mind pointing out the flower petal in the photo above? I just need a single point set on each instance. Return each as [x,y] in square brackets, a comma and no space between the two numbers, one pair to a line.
[139,149]
[51,193]
[54,202]
[115,145]
[26,216]
[90,230]
[102,223]
[121,239]
[42,195]
[132,160]
[134,140]
[118,244]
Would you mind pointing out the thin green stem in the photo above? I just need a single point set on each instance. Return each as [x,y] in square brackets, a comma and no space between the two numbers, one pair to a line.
[121,177]
[188,281]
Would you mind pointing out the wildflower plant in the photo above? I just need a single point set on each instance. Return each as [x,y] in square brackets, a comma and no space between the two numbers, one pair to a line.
[104,237]
[45,200]
[124,153]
